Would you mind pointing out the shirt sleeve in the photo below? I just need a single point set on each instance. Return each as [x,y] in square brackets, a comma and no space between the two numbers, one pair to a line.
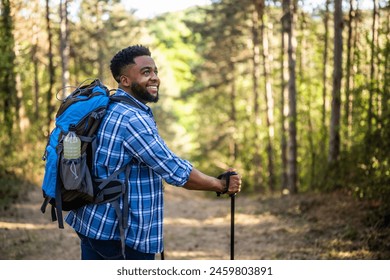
[143,142]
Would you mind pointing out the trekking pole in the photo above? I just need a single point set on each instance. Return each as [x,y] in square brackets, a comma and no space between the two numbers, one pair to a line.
[232,209]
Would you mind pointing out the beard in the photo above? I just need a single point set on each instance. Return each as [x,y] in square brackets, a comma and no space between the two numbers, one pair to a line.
[142,94]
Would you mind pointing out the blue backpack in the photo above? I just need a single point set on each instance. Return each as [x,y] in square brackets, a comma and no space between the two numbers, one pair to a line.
[69,184]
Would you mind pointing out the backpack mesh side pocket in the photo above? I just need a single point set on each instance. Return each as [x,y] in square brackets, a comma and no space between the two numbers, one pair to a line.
[76,176]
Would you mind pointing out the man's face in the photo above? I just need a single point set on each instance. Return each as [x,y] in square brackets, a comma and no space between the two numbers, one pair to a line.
[141,79]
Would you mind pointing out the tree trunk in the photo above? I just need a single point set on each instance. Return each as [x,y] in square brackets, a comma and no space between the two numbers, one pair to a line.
[284,95]
[64,45]
[233,147]
[349,77]
[292,174]
[373,69]
[356,97]
[325,107]
[22,119]
[49,95]
[256,95]
[101,64]
[269,101]
[35,61]
[386,84]
[334,141]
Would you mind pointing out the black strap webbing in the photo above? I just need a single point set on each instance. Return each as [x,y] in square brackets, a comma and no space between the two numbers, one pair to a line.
[124,99]
[123,216]
[121,226]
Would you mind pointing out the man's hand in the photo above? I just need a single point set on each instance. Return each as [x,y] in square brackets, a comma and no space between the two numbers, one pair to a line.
[234,182]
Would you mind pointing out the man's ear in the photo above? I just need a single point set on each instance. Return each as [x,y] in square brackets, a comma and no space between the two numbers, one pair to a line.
[125,81]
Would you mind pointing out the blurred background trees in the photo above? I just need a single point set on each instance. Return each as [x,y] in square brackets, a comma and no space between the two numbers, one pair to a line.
[295,94]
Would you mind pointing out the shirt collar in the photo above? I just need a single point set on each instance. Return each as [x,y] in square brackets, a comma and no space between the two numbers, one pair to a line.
[142,106]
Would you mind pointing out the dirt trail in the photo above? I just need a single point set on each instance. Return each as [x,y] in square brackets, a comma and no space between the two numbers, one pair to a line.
[327,226]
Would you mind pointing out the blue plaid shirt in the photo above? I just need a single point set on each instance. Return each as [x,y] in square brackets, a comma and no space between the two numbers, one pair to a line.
[130,134]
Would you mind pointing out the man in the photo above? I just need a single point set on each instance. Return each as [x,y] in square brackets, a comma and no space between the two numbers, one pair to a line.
[128,134]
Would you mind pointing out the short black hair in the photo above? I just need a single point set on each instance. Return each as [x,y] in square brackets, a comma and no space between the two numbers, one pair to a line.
[125,57]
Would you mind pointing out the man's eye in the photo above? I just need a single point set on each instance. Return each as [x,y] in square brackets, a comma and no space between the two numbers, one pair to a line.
[147,73]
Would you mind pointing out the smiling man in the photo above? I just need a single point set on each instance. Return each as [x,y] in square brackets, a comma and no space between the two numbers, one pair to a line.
[128,136]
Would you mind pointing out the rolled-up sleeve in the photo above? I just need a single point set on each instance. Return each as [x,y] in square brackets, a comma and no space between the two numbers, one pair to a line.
[145,144]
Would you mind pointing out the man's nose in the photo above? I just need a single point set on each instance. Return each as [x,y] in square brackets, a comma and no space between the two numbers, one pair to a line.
[154,77]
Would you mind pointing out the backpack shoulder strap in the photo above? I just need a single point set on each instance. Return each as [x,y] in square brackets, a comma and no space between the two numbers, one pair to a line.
[126,100]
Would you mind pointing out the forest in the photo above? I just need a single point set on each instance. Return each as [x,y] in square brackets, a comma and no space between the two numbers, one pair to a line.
[295,95]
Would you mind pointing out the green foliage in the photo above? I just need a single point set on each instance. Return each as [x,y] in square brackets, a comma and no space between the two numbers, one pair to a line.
[171,37]
[206,110]
[369,167]
[13,187]
[100,30]
[21,165]
[7,74]
[8,193]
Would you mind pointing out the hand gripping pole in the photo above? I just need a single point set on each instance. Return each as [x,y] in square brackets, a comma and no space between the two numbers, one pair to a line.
[226,176]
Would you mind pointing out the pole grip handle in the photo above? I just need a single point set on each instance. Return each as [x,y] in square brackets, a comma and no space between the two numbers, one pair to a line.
[227,176]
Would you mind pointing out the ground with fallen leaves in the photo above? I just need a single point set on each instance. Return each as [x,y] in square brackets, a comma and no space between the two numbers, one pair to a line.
[300,227]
